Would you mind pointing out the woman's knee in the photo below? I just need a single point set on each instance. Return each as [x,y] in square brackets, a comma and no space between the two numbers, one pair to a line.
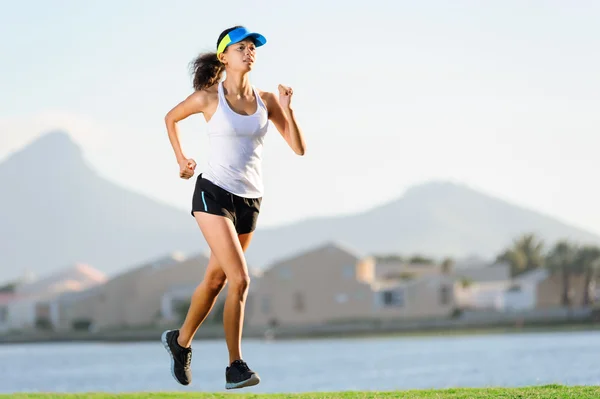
[239,283]
[215,282]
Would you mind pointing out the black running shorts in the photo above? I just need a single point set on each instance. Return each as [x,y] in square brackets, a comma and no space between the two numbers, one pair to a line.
[210,198]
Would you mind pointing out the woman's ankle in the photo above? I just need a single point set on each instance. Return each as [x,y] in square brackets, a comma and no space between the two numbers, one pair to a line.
[182,341]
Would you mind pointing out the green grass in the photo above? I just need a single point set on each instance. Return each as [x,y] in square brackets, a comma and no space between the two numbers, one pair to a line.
[538,392]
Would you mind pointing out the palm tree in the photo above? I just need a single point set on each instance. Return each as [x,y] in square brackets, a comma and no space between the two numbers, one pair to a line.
[562,259]
[588,262]
[526,253]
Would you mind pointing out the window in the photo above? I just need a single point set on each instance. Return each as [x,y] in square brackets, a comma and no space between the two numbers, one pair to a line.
[393,298]
[299,304]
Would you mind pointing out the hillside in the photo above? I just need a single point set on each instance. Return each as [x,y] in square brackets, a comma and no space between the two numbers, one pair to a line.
[55,210]
[435,219]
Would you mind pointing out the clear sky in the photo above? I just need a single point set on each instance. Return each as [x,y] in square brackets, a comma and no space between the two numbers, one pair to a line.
[503,96]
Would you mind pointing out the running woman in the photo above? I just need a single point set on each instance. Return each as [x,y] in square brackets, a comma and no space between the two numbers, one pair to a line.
[227,196]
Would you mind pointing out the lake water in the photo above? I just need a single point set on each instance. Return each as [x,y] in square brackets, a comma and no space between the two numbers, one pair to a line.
[389,363]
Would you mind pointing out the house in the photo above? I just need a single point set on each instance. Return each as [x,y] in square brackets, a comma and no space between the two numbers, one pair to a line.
[325,283]
[550,291]
[35,304]
[522,293]
[331,283]
[134,298]
[419,298]
[509,294]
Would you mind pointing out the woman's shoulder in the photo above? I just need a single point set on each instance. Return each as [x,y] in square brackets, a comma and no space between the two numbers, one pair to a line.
[205,96]
[266,96]
[263,93]
[210,91]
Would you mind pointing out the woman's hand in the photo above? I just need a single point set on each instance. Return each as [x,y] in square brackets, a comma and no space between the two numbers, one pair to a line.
[186,168]
[285,96]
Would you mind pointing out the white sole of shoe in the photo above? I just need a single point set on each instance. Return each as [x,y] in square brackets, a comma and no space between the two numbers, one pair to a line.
[254,380]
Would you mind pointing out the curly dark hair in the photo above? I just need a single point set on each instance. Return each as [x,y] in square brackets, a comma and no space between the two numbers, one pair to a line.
[206,68]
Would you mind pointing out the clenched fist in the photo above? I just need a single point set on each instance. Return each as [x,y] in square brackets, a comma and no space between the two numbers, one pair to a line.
[186,168]
[285,96]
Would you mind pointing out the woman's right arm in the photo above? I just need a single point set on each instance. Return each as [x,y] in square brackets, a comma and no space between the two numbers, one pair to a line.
[195,103]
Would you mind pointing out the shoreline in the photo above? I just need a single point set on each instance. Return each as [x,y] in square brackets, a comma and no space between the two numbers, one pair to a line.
[213,332]
[526,392]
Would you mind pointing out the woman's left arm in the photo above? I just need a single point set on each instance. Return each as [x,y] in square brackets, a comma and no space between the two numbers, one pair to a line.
[282,116]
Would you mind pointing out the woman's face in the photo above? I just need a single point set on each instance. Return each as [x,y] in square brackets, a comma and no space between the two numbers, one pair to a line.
[240,56]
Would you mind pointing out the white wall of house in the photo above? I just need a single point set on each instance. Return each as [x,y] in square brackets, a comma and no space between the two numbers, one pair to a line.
[481,295]
[524,299]
[21,313]
[508,295]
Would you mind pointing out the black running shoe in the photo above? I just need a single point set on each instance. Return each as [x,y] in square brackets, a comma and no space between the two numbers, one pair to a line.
[181,358]
[239,375]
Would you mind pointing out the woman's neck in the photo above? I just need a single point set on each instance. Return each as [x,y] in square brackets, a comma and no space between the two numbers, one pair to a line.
[237,85]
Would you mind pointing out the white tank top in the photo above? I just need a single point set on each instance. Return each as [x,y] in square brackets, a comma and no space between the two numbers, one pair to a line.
[236,143]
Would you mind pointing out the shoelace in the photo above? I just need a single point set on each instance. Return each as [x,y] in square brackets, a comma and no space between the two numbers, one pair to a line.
[187,359]
[186,353]
[242,366]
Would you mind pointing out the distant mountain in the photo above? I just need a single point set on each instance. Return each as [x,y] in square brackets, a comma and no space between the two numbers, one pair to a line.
[435,219]
[56,211]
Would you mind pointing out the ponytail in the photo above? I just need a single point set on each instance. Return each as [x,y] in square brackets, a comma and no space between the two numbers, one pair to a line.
[206,71]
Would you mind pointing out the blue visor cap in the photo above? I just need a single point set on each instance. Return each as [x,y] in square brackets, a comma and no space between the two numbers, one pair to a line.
[237,35]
